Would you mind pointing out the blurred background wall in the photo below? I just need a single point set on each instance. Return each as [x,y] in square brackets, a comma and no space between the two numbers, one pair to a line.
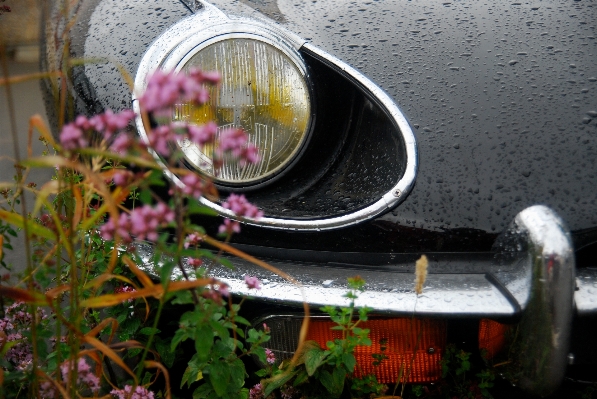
[19,33]
[19,29]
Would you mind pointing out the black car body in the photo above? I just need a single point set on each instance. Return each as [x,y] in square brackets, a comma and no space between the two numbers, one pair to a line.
[493,177]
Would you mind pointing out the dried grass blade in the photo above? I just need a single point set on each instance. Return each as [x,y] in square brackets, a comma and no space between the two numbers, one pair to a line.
[143,278]
[103,348]
[20,294]
[159,366]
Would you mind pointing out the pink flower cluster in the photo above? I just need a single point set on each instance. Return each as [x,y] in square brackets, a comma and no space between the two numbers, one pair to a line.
[270,357]
[122,177]
[123,289]
[252,282]
[192,239]
[164,89]
[73,136]
[161,136]
[128,393]
[256,392]
[84,374]
[193,185]
[142,223]
[236,142]
[217,290]
[194,262]
[241,207]
[16,322]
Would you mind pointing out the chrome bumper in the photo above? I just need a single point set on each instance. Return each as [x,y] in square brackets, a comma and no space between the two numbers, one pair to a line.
[530,276]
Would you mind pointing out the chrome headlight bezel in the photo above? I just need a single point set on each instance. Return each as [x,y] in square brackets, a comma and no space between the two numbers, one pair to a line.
[208,23]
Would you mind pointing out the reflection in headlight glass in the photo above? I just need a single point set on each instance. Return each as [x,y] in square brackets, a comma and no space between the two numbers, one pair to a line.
[263,92]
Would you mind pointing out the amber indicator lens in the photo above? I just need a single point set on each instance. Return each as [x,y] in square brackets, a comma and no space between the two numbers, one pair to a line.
[411,345]
[492,336]
[263,91]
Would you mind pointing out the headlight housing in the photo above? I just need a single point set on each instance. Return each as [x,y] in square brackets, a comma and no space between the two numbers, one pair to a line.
[359,162]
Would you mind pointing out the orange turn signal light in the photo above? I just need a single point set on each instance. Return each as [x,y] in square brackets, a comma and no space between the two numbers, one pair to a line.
[492,336]
[411,348]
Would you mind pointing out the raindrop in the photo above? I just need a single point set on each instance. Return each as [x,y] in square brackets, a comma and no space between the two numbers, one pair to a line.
[513,62]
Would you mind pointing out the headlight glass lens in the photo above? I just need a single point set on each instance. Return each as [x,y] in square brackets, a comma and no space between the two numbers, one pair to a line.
[262,91]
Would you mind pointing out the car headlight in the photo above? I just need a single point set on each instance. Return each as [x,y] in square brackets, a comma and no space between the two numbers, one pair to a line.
[264,91]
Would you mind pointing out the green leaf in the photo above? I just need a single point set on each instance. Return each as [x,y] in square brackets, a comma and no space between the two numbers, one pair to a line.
[241,320]
[196,208]
[222,349]
[204,340]
[338,376]
[301,377]
[179,336]
[203,392]
[314,357]
[156,178]
[277,382]
[163,348]
[219,376]
[237,375]
[260,353]
[261,373]
[219,329]
[349,361]
[145,197]
[149,331]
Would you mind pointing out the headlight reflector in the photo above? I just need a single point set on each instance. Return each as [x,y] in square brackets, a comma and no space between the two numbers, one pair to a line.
[264,91]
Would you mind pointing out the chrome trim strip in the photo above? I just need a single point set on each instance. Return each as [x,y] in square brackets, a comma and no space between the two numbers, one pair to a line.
[503,287]
[209,22]
[585,296]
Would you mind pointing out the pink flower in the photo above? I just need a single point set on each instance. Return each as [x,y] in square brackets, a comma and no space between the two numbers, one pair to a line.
[224,290]
[82,122]
[233,140]
[109,123]
[192,239]
[194,262]
[270,357]
[84,374]
[256,392]
[241,207]
[237,143]
[122,227]
[266,328]
[229,227]
[193,185]
[159,139]
[143,223]
[71,137]
[128,393]
[164,89]
[145,220]
[202,134]
[122,177]
[122,143]
[252,282]
[123,289]
[47,390]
